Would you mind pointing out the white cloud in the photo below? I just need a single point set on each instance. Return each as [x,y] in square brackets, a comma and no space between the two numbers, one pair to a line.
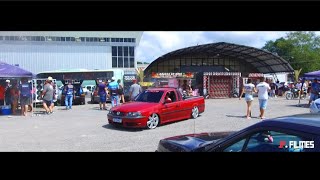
[154,44]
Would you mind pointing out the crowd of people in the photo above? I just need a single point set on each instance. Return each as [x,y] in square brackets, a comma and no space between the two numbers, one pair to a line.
[268,90]
[188,90]
[11,94]
[114,91]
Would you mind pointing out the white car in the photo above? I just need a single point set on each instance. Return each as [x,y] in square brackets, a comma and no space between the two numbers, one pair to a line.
[88,88]
[315,106]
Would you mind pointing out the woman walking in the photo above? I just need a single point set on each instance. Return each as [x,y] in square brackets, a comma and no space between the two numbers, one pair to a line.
[120,92]
[248,89]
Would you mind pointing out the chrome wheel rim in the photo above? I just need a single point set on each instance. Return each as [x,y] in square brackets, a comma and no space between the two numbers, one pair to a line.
[195,112]
[153,121]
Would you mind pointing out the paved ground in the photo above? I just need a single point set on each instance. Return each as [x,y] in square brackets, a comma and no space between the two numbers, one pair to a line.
[85,128]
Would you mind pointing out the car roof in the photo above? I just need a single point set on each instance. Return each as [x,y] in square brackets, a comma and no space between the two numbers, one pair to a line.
[309,123]
[162,89]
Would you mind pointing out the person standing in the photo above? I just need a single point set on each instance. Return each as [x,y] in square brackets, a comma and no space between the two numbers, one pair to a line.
[69,91]
[25,96]
[102,94]
[134,90]
[47,96]
[315,89]
[7,94]
[273,87]
[263,88]
[2,91]
[113,88]
[248,89]
[14,94]
[120,92]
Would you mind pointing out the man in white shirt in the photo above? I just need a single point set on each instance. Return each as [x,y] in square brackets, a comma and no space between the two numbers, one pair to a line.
[298,85]
[263,89]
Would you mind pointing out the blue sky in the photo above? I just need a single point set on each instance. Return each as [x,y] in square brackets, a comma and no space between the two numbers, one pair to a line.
[154,44]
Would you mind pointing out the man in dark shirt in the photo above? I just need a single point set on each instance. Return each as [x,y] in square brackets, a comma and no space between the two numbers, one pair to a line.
[315,89]
[7,94]
[25,96]
[102,91]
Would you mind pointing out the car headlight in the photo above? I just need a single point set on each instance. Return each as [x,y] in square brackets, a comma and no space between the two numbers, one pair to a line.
[134,114]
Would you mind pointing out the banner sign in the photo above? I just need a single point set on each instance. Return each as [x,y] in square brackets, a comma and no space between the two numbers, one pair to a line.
[172,75]
[129,78]
[251,75]
[222,74]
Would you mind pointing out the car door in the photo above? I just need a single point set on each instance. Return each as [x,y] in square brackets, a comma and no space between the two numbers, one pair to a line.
[170,111]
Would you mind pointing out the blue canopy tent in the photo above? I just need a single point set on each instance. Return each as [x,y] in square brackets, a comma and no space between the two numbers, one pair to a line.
[312,75]
[10,71]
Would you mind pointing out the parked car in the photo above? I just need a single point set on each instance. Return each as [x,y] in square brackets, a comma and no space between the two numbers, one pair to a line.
[88,88]
[315,106]
[299,133]
[151,109]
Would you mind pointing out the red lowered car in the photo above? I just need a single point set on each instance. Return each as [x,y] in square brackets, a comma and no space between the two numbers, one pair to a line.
[156,106]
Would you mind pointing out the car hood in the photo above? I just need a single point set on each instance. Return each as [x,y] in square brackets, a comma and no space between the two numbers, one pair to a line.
[134,106]
[190,142]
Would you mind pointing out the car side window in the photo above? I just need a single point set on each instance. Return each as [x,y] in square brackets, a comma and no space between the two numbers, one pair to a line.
[236,147]
[272,141]
[173,96]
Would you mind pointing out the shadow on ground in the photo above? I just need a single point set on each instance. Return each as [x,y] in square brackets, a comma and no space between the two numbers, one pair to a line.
[244,117]
[298,105]
[98,109]
[120,128]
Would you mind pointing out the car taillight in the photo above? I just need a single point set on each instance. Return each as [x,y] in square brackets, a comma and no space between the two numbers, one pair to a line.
[95,93]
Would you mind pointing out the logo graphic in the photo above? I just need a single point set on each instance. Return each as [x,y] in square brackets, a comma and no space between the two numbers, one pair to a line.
[283,144]
[118,113]
[296,145]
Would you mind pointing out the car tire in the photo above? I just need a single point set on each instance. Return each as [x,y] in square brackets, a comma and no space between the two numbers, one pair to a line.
[153,121]
[195,112]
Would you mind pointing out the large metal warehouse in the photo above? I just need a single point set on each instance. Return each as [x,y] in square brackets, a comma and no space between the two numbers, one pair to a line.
[39,51]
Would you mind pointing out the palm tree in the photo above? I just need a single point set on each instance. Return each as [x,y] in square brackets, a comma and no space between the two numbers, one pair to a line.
[140,74]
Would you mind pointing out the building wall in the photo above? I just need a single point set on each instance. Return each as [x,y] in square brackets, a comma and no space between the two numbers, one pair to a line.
[39,56]
[43,57]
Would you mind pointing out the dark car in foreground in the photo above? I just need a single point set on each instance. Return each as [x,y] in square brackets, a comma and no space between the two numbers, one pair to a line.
[298,133]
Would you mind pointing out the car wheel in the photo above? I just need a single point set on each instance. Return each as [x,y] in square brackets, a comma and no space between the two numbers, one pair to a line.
[153,121]
[195,112]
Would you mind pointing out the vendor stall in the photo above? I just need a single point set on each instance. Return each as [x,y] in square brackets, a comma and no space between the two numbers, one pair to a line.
[312,75]
[171,79]
[12,74]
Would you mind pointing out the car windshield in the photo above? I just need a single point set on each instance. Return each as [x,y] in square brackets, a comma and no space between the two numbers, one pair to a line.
[149,96]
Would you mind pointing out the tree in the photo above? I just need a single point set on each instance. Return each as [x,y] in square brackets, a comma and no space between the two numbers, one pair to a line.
[301,49]
[140,74]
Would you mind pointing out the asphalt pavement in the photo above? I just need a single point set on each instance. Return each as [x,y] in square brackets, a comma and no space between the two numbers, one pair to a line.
[85,127]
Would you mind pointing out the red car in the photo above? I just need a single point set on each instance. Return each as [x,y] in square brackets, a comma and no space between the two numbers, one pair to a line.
[156,106]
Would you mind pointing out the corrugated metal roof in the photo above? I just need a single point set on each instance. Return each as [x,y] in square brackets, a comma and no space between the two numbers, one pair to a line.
[263,61]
